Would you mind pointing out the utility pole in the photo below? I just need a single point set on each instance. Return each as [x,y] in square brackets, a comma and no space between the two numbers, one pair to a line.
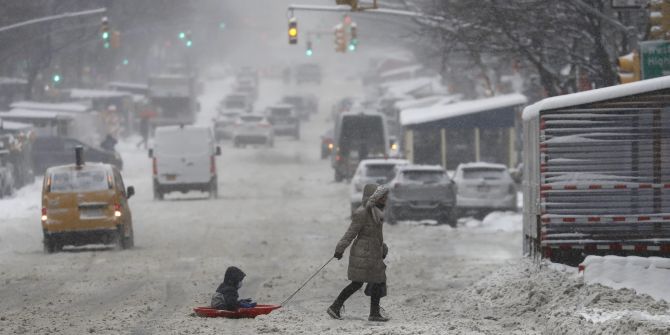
[52,18]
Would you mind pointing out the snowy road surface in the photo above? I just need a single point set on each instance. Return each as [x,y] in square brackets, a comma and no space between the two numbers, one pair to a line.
[278,218]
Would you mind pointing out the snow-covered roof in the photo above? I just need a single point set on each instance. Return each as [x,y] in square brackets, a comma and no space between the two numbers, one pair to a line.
[391,73]
[417,167]
[9,80]
[601,94]
[12,125]
[439,112]
[379,161]
[407,87]
[121,84]
[56,107]
[481,165]
[427,101]
[77,93]
[34,114]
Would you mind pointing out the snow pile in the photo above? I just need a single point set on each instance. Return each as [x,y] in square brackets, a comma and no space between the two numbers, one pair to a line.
[646,275]
[497,221]
[522,297]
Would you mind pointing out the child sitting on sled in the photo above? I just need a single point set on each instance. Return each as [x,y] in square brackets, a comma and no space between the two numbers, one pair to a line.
[226,296]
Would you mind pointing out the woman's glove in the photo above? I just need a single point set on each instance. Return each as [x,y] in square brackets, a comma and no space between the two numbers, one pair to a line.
[385,251]
[338,255]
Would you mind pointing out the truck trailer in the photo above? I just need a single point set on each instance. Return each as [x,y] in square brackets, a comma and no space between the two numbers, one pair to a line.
[597,173]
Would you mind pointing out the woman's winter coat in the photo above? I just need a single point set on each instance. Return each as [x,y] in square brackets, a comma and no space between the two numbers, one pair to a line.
[366,256]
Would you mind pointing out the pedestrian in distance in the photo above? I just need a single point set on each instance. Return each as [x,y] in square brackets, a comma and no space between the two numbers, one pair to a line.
[144,132]
[367,254]
[226,296]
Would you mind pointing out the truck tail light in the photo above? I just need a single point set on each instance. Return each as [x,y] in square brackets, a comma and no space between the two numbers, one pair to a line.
[155,166]
[212,165]
[44,214]
[117,210]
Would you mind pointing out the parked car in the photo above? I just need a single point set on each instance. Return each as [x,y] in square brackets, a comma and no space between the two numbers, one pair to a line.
[483,188]
[248,87]
[284,120]
[308,73]
[377,171]
[85,203]
[184,160]
[51,151]
[358,135]
[224,125]
[236,102]
[327,144]
[7,182]
[253,129]
[421,192]
[304,105]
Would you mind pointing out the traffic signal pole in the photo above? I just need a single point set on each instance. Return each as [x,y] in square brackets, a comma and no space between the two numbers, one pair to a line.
[346,8]
[53,18]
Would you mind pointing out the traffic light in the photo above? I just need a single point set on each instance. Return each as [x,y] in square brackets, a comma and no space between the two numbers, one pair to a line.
[292,31]
[309,52]
[340,39]
[659,19]
[116,39]
[182,35]
[189,39]
[353,41]
[629,67]
[104,32]
[56,78]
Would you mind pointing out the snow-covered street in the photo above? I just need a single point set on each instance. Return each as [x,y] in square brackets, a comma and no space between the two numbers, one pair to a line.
[278,218]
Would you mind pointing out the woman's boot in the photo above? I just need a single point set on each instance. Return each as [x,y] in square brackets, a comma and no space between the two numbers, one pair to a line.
[334,309]
[375,314]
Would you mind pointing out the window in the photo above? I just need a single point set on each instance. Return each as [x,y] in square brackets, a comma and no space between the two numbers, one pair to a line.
[483,173]
[79,181]
[426,177]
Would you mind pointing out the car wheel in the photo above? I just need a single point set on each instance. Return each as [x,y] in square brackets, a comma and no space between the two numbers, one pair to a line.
[129,242]
[213,189]
[450,218]
[50,246]
[158,195]
[118,238]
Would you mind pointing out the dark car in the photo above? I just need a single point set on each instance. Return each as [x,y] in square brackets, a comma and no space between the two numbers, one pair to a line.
[421,192]
[304,105]
[53,151]
[284,120]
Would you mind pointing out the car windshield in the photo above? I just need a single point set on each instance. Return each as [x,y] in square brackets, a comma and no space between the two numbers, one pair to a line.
[297,101]
[235,103]
[280,112]
[483,173]
[79,181]
[379,170]
[251,119]
[183,142]
[426,177]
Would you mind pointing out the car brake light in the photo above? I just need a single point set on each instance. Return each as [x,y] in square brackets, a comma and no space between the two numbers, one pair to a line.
[155,166]
[212,165]
[44,214]
[117,210]
[338,158]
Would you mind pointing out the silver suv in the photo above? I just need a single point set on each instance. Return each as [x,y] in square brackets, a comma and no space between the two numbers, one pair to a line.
[483,188]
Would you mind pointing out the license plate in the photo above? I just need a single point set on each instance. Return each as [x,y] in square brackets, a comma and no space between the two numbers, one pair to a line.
[171,177]
[483,188]
[91,213]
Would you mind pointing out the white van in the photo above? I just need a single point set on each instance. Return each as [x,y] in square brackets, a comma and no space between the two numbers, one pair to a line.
[184,160]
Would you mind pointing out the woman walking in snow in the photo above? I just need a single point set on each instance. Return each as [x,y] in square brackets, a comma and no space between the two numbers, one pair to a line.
[366,257]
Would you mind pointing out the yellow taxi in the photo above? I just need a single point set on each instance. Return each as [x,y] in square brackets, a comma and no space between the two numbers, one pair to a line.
[85,203]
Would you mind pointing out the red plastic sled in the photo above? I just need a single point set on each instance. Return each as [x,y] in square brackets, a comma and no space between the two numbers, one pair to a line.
[208,312]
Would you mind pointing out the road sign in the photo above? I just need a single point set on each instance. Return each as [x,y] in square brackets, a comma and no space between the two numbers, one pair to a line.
[655,59]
